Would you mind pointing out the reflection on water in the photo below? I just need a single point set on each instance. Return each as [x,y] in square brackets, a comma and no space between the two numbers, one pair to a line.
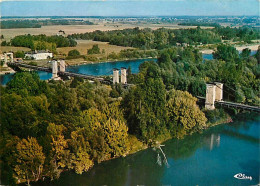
[210,158]
[212,141]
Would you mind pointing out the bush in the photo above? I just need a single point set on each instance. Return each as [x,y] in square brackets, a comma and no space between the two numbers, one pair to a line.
[19,54]
[94,50]
[91,58]
[73,53]
[4,43]
[33,63]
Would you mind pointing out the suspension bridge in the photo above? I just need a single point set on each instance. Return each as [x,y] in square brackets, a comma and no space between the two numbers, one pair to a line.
[214,96]
[56,73]
[214,91]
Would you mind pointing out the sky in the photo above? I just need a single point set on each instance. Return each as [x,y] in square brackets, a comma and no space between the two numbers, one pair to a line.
[130,8]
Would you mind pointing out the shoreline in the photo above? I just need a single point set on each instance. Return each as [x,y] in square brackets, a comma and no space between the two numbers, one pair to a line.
[253,47]
[146,146]
[7,72]
[108,61]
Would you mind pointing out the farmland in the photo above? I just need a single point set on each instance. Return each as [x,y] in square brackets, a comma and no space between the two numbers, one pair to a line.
[84,45]
[70,29]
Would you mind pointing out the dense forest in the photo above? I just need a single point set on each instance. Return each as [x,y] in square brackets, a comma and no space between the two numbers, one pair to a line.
[50,127]
[151,39]
[164,38]
[183,69]
[39,23]
[57,126]
[42,42]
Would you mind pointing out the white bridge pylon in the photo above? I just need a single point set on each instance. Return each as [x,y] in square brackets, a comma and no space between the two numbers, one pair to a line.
[214,92]
[116,76]
[55,70]
[5,58]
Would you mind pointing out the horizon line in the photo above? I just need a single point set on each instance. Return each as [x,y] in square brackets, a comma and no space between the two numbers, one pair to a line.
[129,16]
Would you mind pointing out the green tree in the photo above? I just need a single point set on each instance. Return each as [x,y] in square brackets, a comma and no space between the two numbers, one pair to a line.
[145,104]
[59,152]
[79,158]
[92,120]
[94,50]
[185,116]
[30,160]
[116,137]
[74,53]
[257,55]
[245,54]
[4,43]
[80,161]
[226,53]
[27,83]
[19,54]
[24,116]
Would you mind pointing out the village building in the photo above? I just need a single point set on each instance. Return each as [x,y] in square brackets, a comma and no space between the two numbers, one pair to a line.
[38,55]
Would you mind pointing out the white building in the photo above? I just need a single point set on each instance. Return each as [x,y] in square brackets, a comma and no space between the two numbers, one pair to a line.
[38,55]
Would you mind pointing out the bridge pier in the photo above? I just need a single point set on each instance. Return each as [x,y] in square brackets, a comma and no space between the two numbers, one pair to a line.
[5,58]
[55,71]
[62,66]
[115,75]
[219,91]
[210,97]
[123,75]
[214,92]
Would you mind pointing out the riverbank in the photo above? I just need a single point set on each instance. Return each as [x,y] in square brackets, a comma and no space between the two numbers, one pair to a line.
[144,147]
[7,70]
[239,48]
[230,149]
[77,63]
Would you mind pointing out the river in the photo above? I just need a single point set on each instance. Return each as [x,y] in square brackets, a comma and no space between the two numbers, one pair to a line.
[95,69]
[98,69]
[210,158]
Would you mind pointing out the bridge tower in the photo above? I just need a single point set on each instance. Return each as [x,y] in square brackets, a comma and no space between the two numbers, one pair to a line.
[219,91]
[5,58]
[55,70]
[214,92]
[123,75]
[210,96]
[62,66]
[115,75]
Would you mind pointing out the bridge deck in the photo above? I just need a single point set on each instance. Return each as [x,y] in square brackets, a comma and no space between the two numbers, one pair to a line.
[46,69]
[238,105]
[71,74]
[234,105]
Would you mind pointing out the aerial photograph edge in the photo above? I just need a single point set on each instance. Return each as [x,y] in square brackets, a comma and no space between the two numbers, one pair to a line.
[130,93]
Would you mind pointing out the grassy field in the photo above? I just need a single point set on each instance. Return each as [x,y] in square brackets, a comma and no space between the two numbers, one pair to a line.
[70,29]
[13,49]
[84,45]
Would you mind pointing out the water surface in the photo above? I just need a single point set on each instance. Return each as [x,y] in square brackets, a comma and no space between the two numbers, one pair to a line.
[99,69]
[210,158]
[95,69]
